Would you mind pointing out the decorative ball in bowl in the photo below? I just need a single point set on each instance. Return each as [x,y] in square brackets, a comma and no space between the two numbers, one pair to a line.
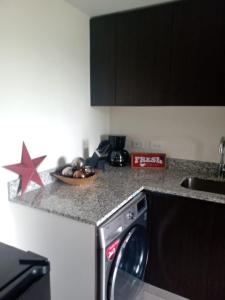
[76,173]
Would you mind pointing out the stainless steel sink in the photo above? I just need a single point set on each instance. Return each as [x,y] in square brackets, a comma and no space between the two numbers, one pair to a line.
[200,184]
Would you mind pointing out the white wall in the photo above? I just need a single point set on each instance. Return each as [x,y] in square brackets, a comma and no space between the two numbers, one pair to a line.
[44,88]
[182,132]
[101,7]
[69,245]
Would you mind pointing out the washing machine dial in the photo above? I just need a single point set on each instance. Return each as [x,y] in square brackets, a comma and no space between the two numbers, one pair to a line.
[130,215]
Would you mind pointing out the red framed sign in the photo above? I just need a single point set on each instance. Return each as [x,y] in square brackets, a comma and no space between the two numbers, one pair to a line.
[148,160]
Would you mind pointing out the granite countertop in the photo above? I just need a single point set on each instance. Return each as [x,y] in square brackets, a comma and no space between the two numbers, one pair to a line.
[115,187]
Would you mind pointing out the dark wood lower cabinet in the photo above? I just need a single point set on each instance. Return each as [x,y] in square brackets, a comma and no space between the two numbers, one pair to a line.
[187,246]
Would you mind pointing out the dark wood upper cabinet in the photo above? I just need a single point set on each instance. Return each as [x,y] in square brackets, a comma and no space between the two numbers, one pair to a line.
[169,54]
[102,59]
[198,53]
[143,56]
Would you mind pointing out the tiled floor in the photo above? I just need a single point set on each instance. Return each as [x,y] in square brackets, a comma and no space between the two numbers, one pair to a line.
[129,287]
[153,293]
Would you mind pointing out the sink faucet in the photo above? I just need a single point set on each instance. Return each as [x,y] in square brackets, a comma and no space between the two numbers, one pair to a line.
[221,174]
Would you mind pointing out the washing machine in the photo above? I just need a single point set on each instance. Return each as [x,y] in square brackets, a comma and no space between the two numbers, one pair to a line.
[123,251]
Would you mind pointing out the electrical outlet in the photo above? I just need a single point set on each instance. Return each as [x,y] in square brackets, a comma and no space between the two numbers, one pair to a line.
[157,146]
[147,146]
[129,144]
[137,144]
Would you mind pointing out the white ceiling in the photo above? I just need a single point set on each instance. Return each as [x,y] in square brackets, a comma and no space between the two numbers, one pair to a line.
[101,7]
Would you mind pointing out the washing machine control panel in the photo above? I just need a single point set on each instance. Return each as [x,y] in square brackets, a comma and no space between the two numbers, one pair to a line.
[130,215]
[122,220]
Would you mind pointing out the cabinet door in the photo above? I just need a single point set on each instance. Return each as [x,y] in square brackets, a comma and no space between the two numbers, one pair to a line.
[198,53]
[216,269]
[187,246]
[143,56]
[102,44]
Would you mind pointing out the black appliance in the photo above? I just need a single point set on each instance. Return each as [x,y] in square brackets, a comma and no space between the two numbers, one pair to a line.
[23,275]
[118,157]
[100,155]
[123,251]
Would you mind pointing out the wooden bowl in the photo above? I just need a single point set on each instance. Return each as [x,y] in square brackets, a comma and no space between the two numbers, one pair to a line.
[77,181]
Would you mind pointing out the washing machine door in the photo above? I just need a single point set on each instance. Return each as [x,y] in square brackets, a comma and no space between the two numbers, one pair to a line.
[127,274]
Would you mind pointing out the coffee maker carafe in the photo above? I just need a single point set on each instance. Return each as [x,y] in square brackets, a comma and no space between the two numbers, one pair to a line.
[118,157]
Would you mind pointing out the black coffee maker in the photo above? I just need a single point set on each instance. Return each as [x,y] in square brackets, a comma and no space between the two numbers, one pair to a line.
[118,156]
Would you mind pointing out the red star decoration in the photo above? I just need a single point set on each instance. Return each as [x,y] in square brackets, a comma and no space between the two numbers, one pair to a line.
[27,169]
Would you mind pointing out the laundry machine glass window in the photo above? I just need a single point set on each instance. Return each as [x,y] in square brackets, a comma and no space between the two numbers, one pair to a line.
[127,275]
